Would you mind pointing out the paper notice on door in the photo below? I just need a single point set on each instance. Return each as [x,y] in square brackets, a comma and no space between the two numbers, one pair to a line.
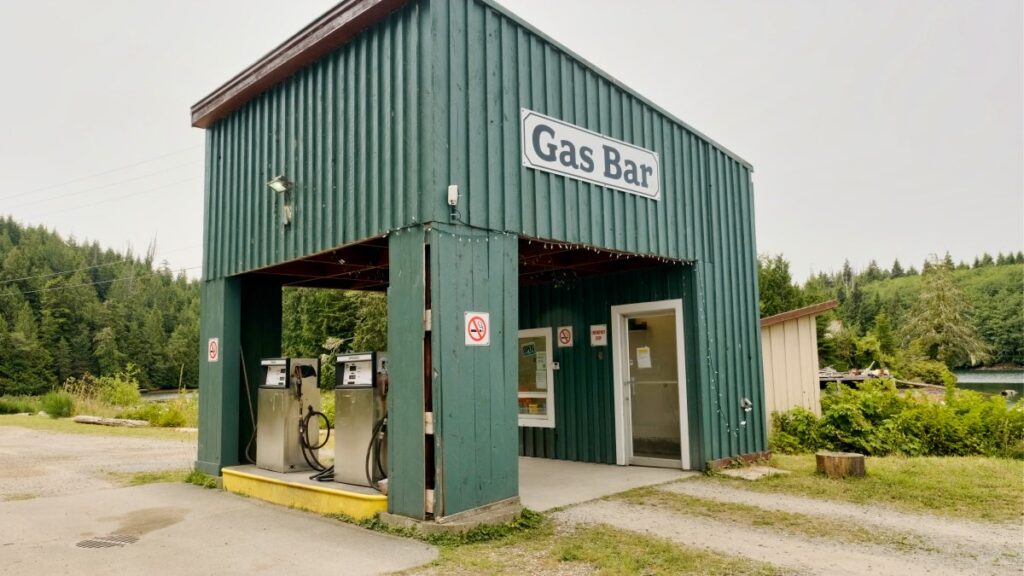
[541,377]
[643,357]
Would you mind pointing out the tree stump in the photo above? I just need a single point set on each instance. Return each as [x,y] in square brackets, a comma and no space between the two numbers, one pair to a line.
[840,464]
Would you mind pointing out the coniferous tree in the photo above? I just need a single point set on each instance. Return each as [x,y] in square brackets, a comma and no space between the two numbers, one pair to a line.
[940,320]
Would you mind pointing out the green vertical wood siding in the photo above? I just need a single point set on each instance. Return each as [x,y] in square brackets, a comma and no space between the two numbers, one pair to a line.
[352,131]
[373,134]
[474,389]
[219,393]
[406,305]
[584,384]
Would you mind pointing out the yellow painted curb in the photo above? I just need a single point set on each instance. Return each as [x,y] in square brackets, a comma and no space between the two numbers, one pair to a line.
[305,497]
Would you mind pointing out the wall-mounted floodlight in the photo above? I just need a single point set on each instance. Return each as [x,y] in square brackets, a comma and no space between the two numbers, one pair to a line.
[280,184]
[283,186]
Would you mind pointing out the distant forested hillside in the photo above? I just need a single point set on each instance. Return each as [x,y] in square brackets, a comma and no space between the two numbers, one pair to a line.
[68,308]
[883,311]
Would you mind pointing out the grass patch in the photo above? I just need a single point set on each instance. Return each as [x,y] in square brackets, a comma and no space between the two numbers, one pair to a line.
[71,427]
[599,549]
[19,404]
[154,477]
[58,404]
[19,496]
[977,488]
[787,522]
[200,479]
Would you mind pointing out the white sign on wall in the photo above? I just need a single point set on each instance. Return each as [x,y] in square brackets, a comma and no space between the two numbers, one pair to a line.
[565,336]
[598,335]
[213,350]
[478,328]
[560,148]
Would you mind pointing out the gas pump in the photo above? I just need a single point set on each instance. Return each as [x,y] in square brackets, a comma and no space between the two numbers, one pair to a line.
[289,395]
[360,419]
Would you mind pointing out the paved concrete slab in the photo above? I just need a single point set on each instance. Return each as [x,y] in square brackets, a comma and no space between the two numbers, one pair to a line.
[545,484]
[181,530]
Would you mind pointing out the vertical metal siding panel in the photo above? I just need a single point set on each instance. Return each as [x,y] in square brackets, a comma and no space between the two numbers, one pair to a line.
[511,191]
[330,166]
[320,125]
[385,115]
[476,101]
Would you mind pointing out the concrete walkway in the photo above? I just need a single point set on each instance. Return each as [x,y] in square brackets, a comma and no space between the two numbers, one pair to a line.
[178,529]
[545,484]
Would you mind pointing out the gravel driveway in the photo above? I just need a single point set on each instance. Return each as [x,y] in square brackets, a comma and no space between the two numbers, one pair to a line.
[41,463]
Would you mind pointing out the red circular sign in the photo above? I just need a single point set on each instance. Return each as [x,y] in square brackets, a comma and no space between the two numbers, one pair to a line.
[477,329]
[213,350]
[564,336]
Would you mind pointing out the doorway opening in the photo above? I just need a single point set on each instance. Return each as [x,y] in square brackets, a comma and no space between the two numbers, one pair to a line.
[651,423]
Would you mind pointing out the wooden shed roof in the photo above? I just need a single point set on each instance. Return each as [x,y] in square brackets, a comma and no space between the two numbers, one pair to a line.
[812,310]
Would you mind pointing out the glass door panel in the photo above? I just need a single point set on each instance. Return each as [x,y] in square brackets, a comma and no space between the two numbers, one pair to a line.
[653,386]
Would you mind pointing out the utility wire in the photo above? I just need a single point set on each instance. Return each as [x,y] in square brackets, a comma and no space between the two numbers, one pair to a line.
[59,272]
[102,186]
[128,279]
[111,171]
[122,197]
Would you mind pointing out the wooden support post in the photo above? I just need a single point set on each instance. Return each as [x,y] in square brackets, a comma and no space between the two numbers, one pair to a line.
[840,464]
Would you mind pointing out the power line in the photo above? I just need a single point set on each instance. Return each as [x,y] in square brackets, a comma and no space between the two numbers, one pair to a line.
[64,272]
[105,172]
[58,273]
[128,279]
[102,186]
[122,197]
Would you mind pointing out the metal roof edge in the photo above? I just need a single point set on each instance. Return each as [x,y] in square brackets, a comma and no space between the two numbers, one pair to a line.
[812,310]
[533,29]
[331,30]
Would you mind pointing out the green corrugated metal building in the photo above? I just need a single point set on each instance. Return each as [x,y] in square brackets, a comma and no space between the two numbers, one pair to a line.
[622,300]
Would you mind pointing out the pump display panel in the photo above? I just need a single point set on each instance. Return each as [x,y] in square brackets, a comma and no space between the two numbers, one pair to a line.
[276,371]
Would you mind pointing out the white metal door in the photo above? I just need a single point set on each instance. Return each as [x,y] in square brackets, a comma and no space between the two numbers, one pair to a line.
[651,416]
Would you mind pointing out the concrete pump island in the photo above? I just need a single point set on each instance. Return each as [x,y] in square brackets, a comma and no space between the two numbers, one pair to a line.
[570,270]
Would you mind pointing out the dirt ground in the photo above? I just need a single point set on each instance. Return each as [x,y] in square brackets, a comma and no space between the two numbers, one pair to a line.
[947,546]
[37,463]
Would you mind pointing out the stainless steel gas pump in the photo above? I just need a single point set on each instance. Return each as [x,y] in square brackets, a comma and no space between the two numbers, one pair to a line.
[360,422]
[288,391]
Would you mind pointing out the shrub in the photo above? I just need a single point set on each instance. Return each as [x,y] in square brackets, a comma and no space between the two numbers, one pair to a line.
[927,371]
[121,389]
[180,412]
[18,404]
[327,405]
[795,431]
[878,420]
[58,404]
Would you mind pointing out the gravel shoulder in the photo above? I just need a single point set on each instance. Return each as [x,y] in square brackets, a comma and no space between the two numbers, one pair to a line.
[36,463]
[957,547]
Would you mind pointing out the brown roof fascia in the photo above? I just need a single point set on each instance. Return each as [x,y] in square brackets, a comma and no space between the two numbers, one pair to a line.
[336,27]
[813,310]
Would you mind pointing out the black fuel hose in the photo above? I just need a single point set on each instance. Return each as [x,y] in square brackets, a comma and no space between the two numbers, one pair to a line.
[373,452]
[308,449]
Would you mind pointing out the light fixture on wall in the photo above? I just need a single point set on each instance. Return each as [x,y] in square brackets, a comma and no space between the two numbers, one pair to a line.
[280,184]
[283,186]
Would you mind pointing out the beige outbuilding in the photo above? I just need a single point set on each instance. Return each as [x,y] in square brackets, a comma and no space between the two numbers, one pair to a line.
[789,344]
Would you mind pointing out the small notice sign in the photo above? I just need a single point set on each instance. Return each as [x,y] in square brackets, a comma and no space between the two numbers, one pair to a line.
[478,328]
[643,357]
[599,335]
[213,350]
[565,336]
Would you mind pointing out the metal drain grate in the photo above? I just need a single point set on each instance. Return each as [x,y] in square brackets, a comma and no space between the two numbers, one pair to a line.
[109,541]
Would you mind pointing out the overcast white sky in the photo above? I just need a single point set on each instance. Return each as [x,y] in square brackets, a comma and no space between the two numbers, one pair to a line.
[876,129]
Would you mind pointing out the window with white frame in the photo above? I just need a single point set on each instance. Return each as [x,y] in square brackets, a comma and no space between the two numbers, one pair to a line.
[536,379]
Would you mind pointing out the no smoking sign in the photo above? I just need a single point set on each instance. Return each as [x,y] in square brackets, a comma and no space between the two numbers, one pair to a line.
[478,328]
[213,350]
[565,336]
